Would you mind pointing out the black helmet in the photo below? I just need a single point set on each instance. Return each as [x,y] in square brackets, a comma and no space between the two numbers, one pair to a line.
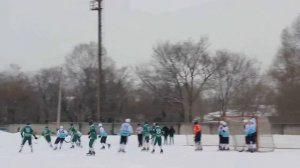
[90,122]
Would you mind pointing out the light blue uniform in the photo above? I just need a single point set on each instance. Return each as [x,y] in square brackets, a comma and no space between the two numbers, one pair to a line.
[102,132]
[250,129]
[126,129]
[224,131]
[61,133]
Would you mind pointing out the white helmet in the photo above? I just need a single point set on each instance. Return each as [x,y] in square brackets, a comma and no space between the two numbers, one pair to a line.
[100,124]
[245,121]
[127,120]
[223,123]
[61,127]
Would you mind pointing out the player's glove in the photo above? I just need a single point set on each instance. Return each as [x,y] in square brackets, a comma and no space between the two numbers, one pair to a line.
[35,137]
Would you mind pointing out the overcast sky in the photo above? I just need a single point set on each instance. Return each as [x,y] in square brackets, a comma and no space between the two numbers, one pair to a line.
[39,33]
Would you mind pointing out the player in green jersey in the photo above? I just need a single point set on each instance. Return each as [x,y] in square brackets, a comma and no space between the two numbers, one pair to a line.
[92,136]
[46,133]
[75,136]
[146,136]
[26,134]
[157,135]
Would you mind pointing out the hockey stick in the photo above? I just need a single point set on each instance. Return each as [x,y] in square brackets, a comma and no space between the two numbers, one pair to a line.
[68,141]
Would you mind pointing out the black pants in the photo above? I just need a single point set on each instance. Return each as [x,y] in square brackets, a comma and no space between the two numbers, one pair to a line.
[59,140]
[251,139]
[224,140]
[198,137]
[123,140]
[103,139]
[140,139]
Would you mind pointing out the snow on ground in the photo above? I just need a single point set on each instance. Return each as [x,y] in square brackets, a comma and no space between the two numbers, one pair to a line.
[175,156]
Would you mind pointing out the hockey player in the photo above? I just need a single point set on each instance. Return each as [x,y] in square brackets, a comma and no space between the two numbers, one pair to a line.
[125,132]
[224,136]
[157,137]
[26,134]
[146,136]
[171,135]
[46,133]
[61,135]
[78,143]
[75,138]
[166,134]
[103,136]
[139,132]
[92,136]
[197,136]
[219,133]
[251,135]
[152,132]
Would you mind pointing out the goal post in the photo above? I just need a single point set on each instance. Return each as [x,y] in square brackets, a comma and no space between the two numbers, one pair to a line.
[264,138]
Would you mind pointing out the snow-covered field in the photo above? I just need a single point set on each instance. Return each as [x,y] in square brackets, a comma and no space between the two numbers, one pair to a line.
[175,156]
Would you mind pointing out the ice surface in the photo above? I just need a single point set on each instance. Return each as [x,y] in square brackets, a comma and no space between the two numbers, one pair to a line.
[175,156]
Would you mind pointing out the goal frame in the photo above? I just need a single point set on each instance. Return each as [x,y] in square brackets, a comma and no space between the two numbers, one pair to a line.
[260,135]
[246,117]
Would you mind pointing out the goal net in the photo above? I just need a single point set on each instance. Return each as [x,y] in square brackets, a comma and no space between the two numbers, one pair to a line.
[265,142]
[264,139]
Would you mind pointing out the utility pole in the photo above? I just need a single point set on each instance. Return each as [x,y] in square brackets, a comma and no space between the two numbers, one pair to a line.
[97,6]
[59,100]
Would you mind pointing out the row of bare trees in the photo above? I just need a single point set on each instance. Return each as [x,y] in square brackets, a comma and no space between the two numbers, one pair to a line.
[183,80]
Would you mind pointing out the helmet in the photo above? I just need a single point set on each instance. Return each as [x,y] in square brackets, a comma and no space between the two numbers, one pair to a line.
[27,123]
[90,122]
[61,127]
[100,124]
[223,123]
[127,120]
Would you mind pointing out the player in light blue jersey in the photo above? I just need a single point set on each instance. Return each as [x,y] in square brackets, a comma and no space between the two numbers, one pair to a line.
[251,135]
[224,136]
[125,132]
[61,135]
[103,136]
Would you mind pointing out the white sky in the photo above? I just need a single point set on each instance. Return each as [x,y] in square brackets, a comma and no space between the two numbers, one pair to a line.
[39,33]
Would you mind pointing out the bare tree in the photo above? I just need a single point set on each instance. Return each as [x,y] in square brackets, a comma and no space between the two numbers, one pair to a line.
[286,72]
[185,67]
[81,68]
[17,101]
[235,71]
[46,83]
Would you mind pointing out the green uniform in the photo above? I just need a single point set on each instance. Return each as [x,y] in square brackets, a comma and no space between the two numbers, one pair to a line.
[157,134]
[92,135]
[47,134]
[27,133]
[146,130]
[74,133]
